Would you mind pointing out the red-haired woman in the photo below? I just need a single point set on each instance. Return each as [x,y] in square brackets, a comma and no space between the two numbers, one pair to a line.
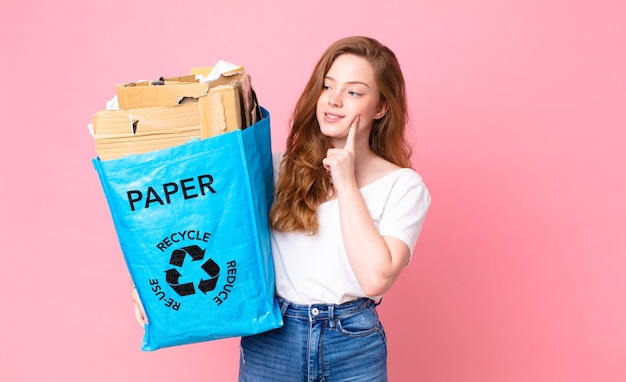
[347,213]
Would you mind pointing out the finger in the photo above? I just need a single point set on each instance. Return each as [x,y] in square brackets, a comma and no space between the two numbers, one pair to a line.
[352,135]
[326,162]
[140,314]
[140,317]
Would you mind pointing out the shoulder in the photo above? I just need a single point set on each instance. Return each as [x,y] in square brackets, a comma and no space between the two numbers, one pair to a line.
[277,158]
[404,177]
[403,186]
[409,175]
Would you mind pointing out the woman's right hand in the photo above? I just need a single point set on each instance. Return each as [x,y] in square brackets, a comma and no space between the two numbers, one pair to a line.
[140,314]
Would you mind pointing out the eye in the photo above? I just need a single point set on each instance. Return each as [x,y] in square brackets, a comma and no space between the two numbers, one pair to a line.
[353,93]
[326,87]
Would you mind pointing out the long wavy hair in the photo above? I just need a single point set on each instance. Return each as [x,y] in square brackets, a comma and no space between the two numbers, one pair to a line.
[303,183]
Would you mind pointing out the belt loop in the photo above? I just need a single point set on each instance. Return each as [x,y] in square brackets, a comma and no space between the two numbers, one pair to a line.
[284,304]
[331,316]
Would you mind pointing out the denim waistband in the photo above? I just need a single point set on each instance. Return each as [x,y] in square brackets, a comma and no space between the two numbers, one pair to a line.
[323,311]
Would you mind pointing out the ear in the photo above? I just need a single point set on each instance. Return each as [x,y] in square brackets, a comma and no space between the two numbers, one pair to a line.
[382,110]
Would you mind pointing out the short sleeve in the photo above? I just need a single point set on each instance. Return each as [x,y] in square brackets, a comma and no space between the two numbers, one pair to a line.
[405,209]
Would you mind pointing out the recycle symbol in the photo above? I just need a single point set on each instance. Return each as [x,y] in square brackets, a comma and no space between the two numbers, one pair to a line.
[196,253]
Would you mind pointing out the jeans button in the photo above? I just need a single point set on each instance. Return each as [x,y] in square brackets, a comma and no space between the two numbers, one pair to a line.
[315,311]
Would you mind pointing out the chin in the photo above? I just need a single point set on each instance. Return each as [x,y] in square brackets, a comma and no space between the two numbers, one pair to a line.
[333,132]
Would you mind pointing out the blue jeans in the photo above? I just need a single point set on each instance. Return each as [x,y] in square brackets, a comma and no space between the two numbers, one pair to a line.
[325,343]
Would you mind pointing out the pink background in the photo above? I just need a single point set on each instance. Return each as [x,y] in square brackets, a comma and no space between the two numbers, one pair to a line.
[519,131]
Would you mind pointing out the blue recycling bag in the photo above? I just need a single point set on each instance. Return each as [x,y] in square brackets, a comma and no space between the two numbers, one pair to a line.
[192,222]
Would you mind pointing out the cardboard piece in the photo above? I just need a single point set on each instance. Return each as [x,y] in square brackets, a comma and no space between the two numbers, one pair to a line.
[142,94]
[221,111]
[123,132]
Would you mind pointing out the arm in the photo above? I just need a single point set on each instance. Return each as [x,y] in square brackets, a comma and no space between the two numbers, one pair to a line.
[375,259]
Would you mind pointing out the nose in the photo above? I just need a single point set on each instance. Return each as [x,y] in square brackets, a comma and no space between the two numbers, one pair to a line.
[334,100]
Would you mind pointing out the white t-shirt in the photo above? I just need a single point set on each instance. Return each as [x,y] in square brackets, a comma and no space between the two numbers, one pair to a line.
[315,268]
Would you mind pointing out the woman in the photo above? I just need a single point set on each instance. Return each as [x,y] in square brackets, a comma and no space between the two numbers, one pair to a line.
[347,213]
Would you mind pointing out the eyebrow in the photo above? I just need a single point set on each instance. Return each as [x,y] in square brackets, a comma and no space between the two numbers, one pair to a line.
[349,82]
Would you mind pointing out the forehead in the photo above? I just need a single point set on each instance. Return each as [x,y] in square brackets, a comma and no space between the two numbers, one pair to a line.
[351,68]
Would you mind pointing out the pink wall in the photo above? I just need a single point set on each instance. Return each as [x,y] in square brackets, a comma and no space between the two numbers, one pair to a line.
[520,132]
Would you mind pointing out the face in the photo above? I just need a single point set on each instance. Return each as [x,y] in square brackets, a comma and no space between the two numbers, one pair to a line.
[349,91]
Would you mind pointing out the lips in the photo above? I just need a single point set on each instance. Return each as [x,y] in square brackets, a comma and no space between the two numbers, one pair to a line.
[332,117]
